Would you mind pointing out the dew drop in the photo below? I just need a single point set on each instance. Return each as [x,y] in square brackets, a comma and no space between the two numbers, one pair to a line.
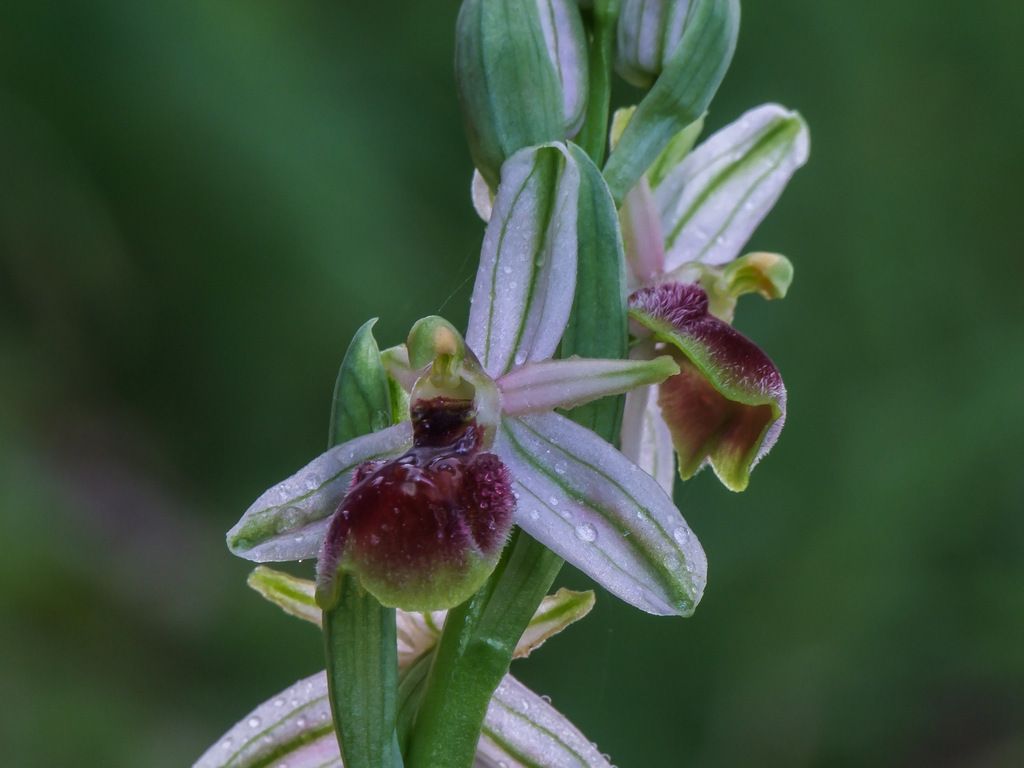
[681,535]
[300,723]
[254,722]
[507,269]
[586,532]
[546,699]
[278,702]
[553,501]
[227,743]
[520,358]
[534,515]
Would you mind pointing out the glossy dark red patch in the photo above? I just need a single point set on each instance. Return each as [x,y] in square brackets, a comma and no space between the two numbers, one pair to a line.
[418,529]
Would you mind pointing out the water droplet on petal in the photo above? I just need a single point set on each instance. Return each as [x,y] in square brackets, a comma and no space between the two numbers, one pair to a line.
[227,743]
[681,535]
[586,532]
[553,501]
[300,722]
[254,722]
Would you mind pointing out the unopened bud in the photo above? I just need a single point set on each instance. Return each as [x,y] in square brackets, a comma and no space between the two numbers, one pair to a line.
[521,67]
[649,31]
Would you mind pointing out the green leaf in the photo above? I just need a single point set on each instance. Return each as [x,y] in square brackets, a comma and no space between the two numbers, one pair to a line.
[597,323]
[359,633]
[362,669]
[362,399]
[680,95]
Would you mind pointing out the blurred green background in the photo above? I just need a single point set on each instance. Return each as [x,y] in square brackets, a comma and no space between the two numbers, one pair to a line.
[201,201]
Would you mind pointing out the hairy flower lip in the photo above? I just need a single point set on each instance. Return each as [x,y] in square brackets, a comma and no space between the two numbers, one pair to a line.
[424,530]
[687,223]
[727,404]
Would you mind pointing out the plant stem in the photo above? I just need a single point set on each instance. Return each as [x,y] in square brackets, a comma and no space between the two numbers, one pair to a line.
[594,136]
[475,652]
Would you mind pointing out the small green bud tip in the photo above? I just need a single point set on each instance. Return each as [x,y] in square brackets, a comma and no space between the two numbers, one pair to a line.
[434,340]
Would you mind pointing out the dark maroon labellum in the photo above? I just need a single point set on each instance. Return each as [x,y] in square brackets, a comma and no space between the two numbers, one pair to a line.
[424,530]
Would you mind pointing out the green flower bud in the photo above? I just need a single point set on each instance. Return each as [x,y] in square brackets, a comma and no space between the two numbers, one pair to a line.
[649,31]
[521,67]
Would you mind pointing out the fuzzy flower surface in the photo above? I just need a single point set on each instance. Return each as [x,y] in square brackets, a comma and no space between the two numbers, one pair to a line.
[427,535]
[684,226]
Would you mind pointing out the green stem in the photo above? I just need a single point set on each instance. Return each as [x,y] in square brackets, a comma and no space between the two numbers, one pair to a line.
[474,654]
[594,136]
[360,645]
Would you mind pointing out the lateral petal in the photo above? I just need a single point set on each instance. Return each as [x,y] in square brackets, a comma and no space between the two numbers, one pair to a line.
[568,383]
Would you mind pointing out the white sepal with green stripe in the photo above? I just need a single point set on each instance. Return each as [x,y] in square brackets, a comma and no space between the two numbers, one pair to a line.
[288,521]
[523,730]
[591,505]
[527,276]
[710,204]
[294,728]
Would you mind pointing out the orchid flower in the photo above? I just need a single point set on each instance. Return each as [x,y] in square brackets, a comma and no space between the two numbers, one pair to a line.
[684,225]
[420,510]
[294,728]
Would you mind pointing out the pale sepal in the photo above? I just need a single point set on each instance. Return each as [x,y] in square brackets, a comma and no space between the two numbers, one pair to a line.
[642,236]
[527,276]
[289,520]
[293,728]
[587,502]
[396,362]
[523,730]
[571,382]
[646,439]
[554,614]
[482,196]
[293,595]
[712,202]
